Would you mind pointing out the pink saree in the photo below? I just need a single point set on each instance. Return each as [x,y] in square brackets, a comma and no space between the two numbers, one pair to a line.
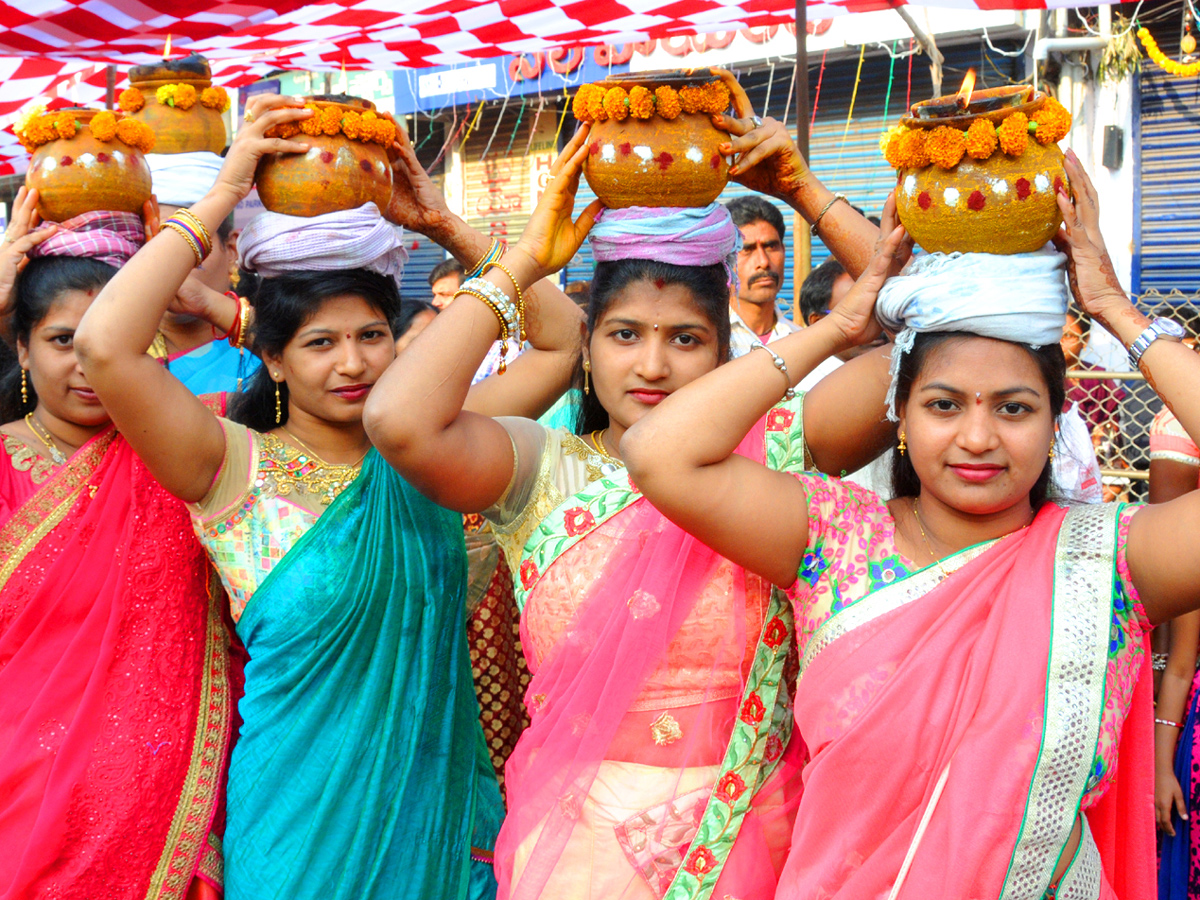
[660,760]
[953,727]
[116,689]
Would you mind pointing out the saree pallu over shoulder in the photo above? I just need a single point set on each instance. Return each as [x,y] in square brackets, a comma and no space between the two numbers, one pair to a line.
[988,689]
[115,688]
[360,770]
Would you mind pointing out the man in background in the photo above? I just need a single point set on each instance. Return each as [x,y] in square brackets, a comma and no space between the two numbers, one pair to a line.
[753,315]
[444,280]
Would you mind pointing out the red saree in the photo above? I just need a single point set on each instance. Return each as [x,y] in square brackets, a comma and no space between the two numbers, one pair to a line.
[953,727]
[116,701]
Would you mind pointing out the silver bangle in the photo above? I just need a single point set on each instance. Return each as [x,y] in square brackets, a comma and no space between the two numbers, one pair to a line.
[790,393]
[497,295]
[1158,662]
[821,214]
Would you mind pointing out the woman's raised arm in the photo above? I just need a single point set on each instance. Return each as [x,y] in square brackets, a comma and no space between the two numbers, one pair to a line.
[172,431]
[681,454]
[416,415]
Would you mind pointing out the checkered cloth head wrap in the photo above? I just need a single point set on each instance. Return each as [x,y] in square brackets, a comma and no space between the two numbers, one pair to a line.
[274,244]
[111,237]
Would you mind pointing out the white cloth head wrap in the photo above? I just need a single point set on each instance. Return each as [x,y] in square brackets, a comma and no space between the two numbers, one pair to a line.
[181,179]
[1020,297]
[274,244]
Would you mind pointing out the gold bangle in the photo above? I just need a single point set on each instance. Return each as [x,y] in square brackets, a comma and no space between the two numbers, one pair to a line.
[491,253]
[239,340]
[192,219]
[487,301]
[520,296]
[187,236]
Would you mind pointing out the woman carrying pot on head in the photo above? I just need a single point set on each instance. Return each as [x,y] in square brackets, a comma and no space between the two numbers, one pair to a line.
[360,768]
[111,762]
[658,703]
[993,642]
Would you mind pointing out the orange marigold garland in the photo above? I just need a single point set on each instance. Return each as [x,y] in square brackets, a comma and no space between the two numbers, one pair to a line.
[1053,122]
[42,128]
[716,97]
[691,98]
[581,104]
[667,102]
[981,139]
[911,152]
[103,126]
[215,98]
[180,96]
[65,125]
[1181,70]
[616,103]
[135,134]
[331,120]
[131,100]
[366,126]
[945,146]
[641,102]
[1014,134]
[890,145]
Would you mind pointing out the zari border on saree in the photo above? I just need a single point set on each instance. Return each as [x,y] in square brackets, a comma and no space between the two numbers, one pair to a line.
[1081,616]
[188,839]
[46,509]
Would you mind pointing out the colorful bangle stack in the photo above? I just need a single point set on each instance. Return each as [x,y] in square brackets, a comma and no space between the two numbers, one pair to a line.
[494,252]
[191,229]
[520,295]
[236,335]
[507,312]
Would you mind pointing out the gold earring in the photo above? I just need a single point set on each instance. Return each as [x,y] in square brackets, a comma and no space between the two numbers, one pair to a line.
[278,406]
[587,368]
[1052,451]
[902,446]
[24,390]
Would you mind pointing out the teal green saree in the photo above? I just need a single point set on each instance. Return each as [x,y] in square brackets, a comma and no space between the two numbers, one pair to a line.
[361,771]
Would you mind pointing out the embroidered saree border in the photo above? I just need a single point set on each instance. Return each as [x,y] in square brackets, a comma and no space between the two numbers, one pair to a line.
[1082,881]
[188,838]
[883,601]
[46,509]
[1084,559]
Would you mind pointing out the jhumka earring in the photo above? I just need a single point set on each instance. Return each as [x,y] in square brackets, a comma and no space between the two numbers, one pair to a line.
[278,406]
[902,446]
[587,368]
[1052,451]
[24,390]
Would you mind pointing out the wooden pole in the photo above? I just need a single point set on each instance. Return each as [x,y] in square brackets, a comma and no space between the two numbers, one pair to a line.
[802,239]
[110,92]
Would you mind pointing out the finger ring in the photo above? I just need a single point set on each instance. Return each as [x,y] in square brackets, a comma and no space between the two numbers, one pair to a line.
[757,121]
[9,239]
[249,117]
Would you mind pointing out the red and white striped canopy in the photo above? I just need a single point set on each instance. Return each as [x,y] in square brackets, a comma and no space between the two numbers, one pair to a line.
[58,48]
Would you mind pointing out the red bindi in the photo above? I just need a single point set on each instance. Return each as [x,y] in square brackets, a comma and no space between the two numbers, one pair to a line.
[659,283]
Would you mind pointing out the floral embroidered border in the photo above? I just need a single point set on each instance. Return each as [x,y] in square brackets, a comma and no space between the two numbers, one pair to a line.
[188,840]
[1084,565]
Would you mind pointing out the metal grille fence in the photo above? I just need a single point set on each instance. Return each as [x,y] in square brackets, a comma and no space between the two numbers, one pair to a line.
[1119,407]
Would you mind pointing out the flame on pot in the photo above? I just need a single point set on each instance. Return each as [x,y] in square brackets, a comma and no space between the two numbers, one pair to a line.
[963,98]
[167,48]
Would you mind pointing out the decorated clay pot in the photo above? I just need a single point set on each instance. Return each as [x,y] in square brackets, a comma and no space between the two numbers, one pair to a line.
[658,161]
[80,174]
[197,128]
[337,173]
[1000,205]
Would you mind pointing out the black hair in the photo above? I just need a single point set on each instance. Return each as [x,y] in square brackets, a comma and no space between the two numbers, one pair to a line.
[282,306]
[817,290]
[225,229]
[709,286]
[745,210]
[444,268]
[409,310]
[1051,364]
[42,284]
[1084,320]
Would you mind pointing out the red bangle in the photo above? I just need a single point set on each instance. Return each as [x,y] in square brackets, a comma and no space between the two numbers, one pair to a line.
[1168,722]
[237,318]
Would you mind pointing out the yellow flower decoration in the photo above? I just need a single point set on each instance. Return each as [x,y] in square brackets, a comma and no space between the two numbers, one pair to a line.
[981,139]
[616,103]
[1182,70]
[312,125]
[64,124]
[131,100]
[103,126]
[331,120]
[215,98]
[1013,133]
[135,134]
[385,132]
[166,94]
[691,98]
[945,146]
[889,144]
[911,151]
[1053,122]
[668,106]
[586,99]
[352,126]
[641,102]
[716,98]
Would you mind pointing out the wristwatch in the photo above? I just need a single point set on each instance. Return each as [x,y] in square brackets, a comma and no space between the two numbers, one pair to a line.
[1159,328]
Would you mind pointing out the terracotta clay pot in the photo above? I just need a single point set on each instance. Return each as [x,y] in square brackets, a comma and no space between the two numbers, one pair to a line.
[334,175]
[81,174]
[179,130]
[1003,204]
[661,162]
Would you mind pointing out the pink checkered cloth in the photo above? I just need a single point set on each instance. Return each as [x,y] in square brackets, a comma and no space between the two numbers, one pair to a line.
[111,237]
[274,244]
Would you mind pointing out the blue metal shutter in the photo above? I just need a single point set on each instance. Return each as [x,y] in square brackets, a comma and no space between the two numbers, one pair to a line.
[424,254]
[1167,189]
[853,166]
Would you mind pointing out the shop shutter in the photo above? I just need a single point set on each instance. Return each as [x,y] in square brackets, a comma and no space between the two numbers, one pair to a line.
[1167,190]
[424,254]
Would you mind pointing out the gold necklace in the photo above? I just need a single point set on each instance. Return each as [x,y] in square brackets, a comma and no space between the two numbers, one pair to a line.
[597,438]
[928,546]
[314,474]
[42,433]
